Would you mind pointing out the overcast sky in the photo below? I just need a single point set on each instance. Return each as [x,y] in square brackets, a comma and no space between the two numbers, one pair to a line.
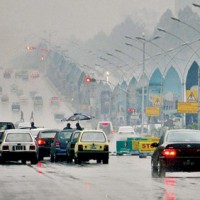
[23,21]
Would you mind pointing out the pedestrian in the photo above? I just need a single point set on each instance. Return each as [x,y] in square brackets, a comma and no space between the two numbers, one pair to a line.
[22,117]
[68,126]
[31,118]
[33,125]
[78,127]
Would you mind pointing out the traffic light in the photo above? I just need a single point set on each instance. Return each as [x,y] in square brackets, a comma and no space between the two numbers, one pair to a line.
[131,110]
[89,79]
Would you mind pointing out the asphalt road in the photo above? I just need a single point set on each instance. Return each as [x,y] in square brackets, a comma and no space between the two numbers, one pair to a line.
[125,177]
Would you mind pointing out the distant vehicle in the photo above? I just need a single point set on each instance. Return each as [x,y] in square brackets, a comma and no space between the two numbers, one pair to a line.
[15,106]
[106,126]
[13,88]
[58,147]
[44,140]
[7,74]
[177,151]
[38,100]
[92,145]
[55,101]
[34,74]
[4,98]
[23,98]
[59,116]
[18,144]
[126,130]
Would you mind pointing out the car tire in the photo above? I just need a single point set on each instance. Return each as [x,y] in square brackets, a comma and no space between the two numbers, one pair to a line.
[154,171]
[105,161]
[40,157]
[52,158]
[34,161]
[77,160]
[56,158]
[23,161]
[69,159]
[161,170]
[98,161]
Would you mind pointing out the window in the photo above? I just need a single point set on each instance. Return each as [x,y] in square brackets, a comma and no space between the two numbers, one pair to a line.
[93,137]
[18,137]
[47,134]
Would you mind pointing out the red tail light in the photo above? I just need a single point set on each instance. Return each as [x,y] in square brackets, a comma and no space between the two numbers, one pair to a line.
[41,142]
[57,143]
[80,147]
[112,132]
[169,153]
[32,147]
[106,148]
[5,148]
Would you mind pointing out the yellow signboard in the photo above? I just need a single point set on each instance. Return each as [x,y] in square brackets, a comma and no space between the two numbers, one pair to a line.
[187,107]
[153,111]
[191,96]
[145,147]
[157,100]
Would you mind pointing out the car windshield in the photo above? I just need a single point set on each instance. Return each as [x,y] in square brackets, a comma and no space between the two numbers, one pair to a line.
[47,134]
[93,137]
[18,137]
[65,135]
[177,136]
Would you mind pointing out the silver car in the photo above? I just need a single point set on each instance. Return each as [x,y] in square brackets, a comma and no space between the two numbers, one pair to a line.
[18,144]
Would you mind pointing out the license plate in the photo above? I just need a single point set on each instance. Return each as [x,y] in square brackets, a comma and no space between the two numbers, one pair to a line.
[93,147]
[19,148]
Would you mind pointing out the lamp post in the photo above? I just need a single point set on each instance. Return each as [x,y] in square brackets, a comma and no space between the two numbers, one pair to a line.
[143,73]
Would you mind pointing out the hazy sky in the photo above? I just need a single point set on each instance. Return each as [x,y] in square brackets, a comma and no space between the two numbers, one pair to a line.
[23,21]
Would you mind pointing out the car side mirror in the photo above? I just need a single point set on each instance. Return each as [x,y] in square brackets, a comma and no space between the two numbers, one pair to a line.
[155,144]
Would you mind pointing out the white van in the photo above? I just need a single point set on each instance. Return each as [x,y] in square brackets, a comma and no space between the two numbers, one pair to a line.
[106,126]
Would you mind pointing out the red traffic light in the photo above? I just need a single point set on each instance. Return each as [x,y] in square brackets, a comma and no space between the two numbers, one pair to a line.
[87,79]
[131,110]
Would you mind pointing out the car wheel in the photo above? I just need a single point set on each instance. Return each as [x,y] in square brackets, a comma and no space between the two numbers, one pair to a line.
[23,162]
[161,170]
[105,161]
[34,161]
[69,159]
[98,160]
[154,171]
[51,158]
[56,158]
[77,160]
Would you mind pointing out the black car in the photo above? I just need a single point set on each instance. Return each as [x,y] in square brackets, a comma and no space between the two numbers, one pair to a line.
[70,146]
[177,151]
[44,140]
[58,147]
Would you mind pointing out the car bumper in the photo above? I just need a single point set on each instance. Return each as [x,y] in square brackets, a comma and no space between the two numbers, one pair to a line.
[60,152]
[187,164]
[44,151]
[87,155]
[14,156]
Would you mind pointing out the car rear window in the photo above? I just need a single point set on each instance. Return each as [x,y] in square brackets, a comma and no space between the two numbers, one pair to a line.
[18,137]
[183,136]
[93,137]
[47,134]
[65,135]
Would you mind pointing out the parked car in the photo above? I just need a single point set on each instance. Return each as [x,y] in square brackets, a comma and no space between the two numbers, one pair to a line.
[58,147]
[92,145]
[15,106]
[71,145]
[177,151]
[18,144]
[44,140]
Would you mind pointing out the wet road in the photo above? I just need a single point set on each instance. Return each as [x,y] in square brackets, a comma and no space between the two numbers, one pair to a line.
[125,177]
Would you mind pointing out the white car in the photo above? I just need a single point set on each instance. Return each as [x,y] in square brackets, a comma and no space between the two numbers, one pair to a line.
[18,144]
[125,132]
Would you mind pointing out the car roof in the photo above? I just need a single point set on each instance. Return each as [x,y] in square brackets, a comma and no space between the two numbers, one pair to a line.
[17,131]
